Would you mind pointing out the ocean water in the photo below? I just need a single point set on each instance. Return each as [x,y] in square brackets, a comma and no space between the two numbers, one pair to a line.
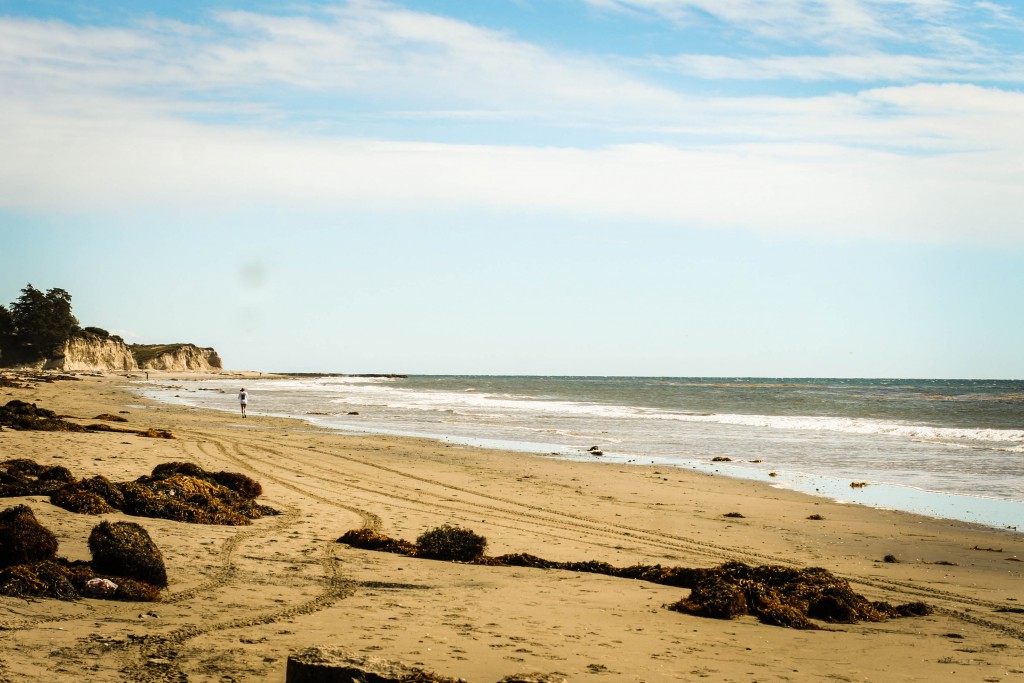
[945,448]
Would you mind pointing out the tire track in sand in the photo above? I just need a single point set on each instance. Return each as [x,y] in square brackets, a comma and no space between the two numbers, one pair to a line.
[369,519]
[227,570]
[952,604]
[151,658]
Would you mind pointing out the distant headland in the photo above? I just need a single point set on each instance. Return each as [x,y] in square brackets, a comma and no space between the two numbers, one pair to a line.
[39,332]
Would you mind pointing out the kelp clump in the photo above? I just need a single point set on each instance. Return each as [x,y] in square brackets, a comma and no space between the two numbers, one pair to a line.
[30,568]
[24,477]
[452,543]
[46,579]
[178,491]
[125,548]
[23,539]
[239,483]
[110,418]
[368,539]
[785,596]
[776,595]
[29,417]
[446,542]
[89,496]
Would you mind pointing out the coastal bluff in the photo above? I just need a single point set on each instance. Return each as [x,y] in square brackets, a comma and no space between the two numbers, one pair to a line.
[176,357]
[91,353]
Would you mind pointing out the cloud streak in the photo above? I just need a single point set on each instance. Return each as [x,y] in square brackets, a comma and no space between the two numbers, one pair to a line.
[109,120]
[825,22]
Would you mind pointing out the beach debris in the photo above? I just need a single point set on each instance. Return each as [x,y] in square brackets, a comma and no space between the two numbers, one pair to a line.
[154,433]
[24,416]
[452,543]
[891,559]
[239,483]
[775,594]
[367,539]
[30,568]
[858,484]
[331,664]
[178,491]
[183,499]
[737,515]
[535,678]
[773,474]
[27,416]
[99,588]
[816,517]
[24,477]
[595,450]
[721,458]
[125,549]
[75,498]
[446,542]
[23,539]
[785,596]
[93,496]
[46,579]
[110,418]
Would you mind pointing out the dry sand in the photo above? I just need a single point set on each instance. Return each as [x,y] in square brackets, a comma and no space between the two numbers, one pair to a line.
[242,598]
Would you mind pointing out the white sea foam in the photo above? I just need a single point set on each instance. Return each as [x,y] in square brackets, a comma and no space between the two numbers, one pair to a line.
[482,405]
[894,451]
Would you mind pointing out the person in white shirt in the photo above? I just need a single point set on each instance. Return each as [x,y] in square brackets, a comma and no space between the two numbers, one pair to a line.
[243,398]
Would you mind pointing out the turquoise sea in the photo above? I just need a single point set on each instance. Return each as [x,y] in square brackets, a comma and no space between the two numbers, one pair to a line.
[945,448]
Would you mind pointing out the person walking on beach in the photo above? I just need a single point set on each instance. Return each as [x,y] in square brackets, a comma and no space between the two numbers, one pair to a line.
[243,398]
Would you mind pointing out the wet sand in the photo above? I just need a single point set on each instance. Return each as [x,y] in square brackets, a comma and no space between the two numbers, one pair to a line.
[242,598]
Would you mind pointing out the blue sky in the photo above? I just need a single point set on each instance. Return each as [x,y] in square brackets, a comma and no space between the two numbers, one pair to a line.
[656,187]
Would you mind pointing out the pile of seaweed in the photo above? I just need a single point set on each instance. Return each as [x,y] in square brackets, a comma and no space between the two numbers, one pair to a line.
[776,595]
[126,564]
[178,491]
[24,416]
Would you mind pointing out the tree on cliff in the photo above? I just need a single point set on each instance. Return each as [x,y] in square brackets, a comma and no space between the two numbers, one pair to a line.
[6,334]
[36,325]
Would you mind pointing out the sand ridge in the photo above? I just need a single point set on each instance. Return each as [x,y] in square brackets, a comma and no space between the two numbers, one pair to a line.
[241,598]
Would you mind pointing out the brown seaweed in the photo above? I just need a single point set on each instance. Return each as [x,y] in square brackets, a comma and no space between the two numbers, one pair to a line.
[125,548]
[23,539]
[199,497]
[452,543]
[775,594]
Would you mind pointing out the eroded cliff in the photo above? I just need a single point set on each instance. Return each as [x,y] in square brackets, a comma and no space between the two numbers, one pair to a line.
[89,353]
[176,357]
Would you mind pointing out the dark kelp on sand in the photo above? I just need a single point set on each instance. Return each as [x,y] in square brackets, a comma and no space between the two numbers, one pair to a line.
[776,595]
[23,416]
[30,568]
[178,491]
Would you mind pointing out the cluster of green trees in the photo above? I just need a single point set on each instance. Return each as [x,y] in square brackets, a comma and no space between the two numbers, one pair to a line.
[37,324]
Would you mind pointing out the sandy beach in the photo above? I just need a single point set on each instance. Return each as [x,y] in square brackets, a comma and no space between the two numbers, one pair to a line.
[241,599]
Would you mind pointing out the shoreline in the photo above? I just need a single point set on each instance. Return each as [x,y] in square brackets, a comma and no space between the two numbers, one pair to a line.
[990,511]
[242,598]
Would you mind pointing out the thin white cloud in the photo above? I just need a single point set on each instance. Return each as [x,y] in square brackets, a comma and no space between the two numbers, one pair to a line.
[939,23]
[91,121]
[397,57]
[816,190]
[867,67]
